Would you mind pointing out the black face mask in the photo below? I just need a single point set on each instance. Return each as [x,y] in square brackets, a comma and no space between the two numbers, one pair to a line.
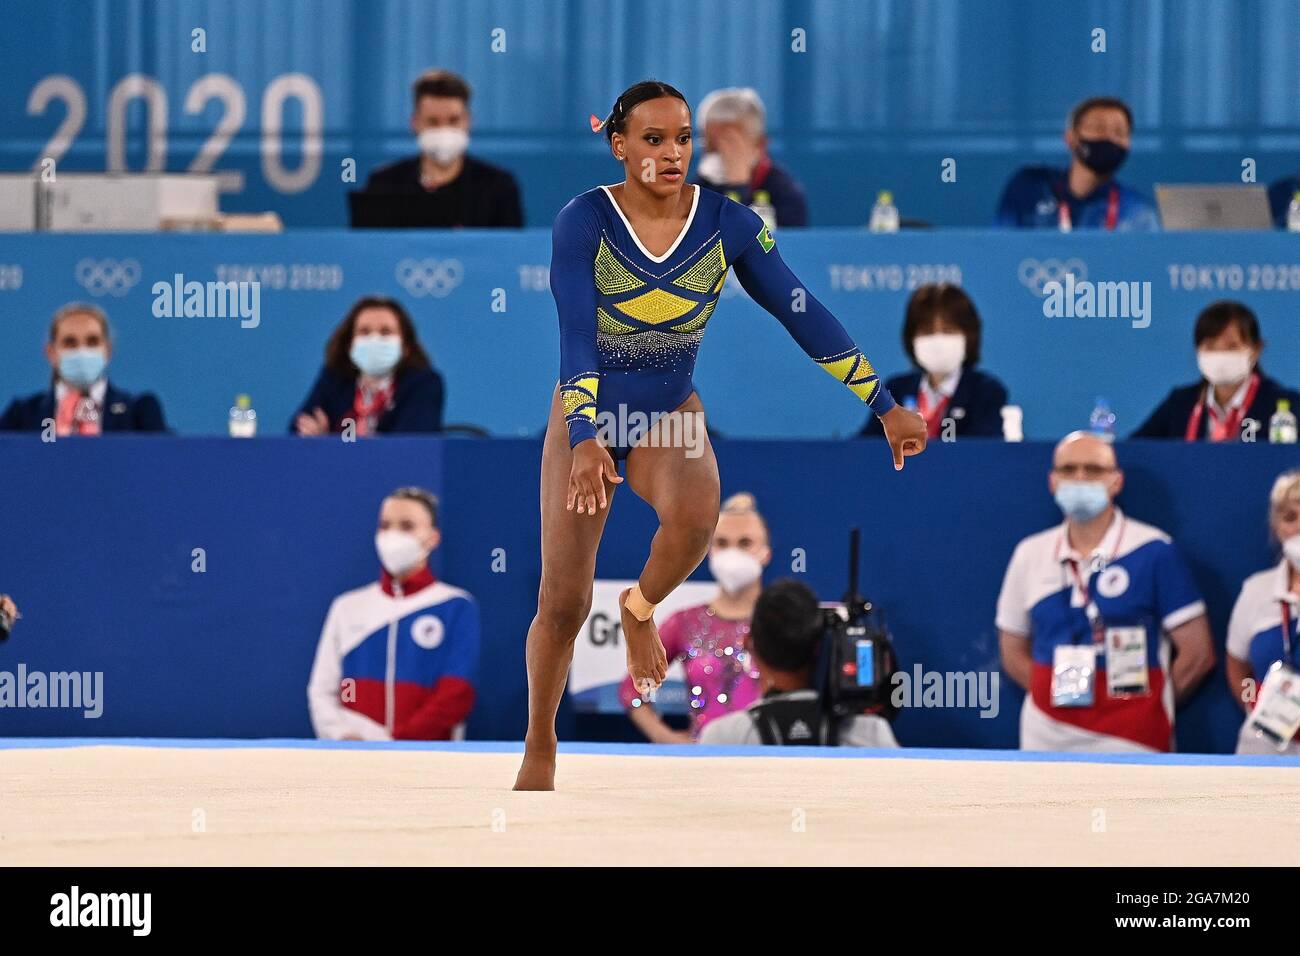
[1101,155]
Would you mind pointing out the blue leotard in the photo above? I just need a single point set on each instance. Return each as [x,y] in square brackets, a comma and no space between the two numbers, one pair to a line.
[631,323]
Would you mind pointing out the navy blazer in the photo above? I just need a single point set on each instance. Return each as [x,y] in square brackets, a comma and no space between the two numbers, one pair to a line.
[976,406]
[123,412]
[1170,419]
[417,402]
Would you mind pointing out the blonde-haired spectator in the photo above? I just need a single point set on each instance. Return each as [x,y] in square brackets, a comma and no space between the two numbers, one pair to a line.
[398,658]
[1262,630]
[710,639]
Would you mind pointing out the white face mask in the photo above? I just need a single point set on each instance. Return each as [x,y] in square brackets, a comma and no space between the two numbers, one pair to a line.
[1291,548]
[445,144]
[399,551]
[734,569]
[1224,368]
[712,168]
[940,354]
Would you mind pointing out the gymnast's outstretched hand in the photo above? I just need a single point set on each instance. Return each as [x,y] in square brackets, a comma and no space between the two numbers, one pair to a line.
[905,430]
[592,467]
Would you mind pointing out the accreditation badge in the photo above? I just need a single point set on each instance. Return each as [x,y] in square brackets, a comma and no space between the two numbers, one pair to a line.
[1074,669]
[1277,711]
[1126,662]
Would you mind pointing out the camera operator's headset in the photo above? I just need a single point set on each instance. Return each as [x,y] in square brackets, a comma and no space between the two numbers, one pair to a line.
[856,664]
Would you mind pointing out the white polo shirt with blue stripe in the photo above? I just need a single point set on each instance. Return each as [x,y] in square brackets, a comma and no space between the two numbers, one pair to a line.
[1137,578]
[1255,637]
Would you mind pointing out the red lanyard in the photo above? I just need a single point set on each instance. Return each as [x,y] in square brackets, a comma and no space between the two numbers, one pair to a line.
[1065,223]
[759,174]
[1089,606]
[368,405]
[1221,429]
[1079,579]
[933,416]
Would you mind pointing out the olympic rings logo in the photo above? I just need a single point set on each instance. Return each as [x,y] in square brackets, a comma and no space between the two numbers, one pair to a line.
[1034,275]
[435,277]
[107,276]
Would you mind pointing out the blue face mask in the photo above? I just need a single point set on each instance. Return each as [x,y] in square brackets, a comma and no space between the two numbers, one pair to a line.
[82,367]
[1082,500]
[376,355]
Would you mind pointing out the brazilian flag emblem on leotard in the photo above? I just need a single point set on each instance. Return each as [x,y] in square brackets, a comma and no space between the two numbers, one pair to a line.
[765,240]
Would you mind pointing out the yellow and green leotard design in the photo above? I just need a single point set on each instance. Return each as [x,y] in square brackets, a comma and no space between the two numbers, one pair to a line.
[631,323]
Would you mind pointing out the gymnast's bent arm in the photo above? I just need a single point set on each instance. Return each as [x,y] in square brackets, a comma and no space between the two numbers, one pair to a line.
[574,239]
[768,280]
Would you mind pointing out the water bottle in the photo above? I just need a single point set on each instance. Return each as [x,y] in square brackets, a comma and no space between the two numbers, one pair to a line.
[1102,420]
[1293,213]
[1013,423]
[1282,426]
[243,420]
[884,214]
[762,205]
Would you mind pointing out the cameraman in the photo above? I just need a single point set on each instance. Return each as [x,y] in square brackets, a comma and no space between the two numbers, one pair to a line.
[784,638]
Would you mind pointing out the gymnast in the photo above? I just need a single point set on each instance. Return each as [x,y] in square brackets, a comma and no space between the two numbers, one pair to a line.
[636,270]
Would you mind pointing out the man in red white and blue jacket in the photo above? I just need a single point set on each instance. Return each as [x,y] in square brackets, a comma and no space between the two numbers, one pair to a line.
[397,658]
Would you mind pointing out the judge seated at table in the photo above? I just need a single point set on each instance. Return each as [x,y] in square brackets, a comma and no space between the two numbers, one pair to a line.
[81,400]
[1234,399]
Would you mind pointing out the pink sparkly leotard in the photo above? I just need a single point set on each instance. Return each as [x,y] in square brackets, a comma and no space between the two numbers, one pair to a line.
[720,674]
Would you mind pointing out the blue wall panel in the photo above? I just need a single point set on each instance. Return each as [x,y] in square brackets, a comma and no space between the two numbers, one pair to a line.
[98,540]
[884,91]
[500,366]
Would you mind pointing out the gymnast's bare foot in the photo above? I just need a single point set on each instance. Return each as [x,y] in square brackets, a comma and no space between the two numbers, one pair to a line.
[537,772]
[647,661]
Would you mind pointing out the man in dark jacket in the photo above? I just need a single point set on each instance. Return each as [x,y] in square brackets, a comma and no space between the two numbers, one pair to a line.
[456,189]
[80,399]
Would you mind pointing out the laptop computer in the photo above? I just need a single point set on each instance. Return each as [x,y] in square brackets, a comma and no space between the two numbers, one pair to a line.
[1214,206]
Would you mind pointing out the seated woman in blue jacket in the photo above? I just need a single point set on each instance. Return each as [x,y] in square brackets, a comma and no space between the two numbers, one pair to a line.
[1233,391]
[81,400]
[941,335]
[376,375]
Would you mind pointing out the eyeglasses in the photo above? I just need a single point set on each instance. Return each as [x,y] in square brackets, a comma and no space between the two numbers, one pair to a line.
[1083,471]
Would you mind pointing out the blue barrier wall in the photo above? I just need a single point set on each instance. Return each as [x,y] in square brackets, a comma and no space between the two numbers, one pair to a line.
[501,363]
[98,537]
[881,93]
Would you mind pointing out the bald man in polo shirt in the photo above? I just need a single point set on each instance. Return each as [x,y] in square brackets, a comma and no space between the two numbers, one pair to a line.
[1090,613]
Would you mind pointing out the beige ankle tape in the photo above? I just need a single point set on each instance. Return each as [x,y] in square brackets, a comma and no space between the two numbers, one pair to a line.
[636,603]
